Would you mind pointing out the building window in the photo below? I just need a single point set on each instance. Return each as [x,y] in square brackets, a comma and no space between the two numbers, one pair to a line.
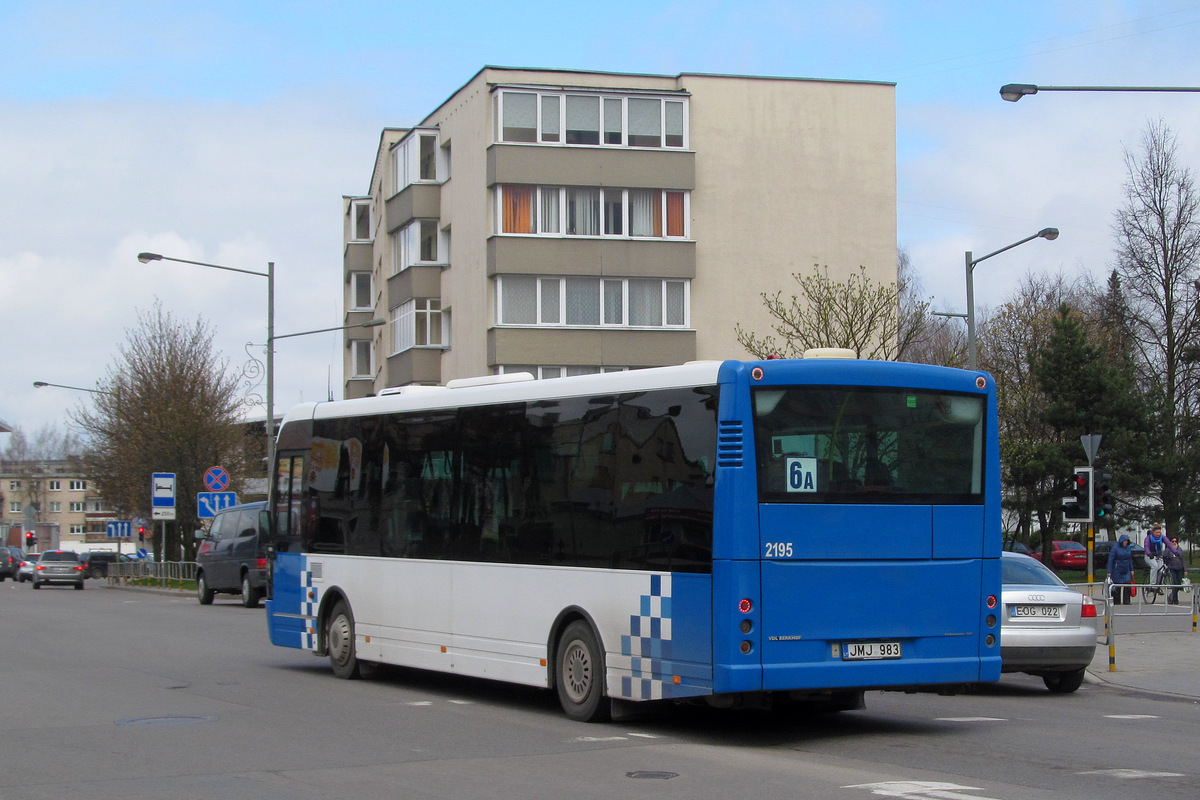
[94,506]
[14,507]
[418,159]
[561,118]
[419,323]
[55,486]
[544,372]
[55,507]
[78,486]
[591,211]
[420,242]
[362,227]
[14,486]
[362,358]
[592,302]
[429,240]
[75,506]
[362,298]
[78,529]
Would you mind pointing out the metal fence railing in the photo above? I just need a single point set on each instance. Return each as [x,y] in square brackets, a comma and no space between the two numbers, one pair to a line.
[1148,599]
[166,574]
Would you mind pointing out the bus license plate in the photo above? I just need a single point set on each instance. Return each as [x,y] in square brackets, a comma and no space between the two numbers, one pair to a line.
[1041,612]
[870,651]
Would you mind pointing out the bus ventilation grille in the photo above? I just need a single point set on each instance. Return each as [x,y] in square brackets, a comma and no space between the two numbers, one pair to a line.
[729,444]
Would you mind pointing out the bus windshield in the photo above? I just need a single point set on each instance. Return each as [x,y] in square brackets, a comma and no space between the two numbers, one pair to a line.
[839,444]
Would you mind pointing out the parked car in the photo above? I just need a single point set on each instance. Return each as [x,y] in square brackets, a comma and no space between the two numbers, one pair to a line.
[1069,555]
[25,573]
[1101,549]
[96,561]
[233,558]
[1013,546]
[59,566]
[1046,628]
[10,562]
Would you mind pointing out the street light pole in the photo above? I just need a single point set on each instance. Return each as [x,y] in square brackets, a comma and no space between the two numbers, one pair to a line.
[146,258]
[42,384]
[1049,234]
[1012,92]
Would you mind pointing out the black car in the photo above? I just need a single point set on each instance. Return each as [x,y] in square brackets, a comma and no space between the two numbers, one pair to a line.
[96,562]
[1101,555]
[232,558]
[10,562]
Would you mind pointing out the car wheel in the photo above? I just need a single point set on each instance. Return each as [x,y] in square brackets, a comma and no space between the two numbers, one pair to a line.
[339,641]
[97,573]
[249,593]
[1064,682]
[203,593]
[580,674]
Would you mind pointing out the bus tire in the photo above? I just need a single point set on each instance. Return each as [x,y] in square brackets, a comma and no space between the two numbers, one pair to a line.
[339,642]
[579,678]
[203,592]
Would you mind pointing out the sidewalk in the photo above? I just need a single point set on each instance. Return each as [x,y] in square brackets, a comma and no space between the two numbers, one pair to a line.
[1158,663]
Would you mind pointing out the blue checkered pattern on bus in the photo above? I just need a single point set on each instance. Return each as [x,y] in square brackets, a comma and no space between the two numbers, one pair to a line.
[648,644]
[309,603]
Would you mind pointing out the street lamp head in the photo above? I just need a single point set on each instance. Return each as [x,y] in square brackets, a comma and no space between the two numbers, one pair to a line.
[1049,234]
[146,258]
[40,384]
[1012,92]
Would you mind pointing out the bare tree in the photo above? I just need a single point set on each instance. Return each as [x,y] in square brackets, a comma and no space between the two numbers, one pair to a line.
[168,404]
[1158,261]
[934,339]
[857,313]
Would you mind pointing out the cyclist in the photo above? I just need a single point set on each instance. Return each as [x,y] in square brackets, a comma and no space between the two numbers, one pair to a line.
[1155,542]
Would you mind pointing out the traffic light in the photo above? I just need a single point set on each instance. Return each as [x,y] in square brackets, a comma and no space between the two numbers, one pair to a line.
[1103,504]
[1077,507]
[30,540]
[141,533]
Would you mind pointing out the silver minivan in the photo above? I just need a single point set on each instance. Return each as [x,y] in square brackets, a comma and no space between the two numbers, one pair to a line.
[232,558]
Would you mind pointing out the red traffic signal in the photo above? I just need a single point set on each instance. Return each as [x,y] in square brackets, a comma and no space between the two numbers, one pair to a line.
[30,539]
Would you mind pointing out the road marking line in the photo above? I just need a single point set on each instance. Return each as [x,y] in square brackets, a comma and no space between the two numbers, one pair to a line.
[1131,774]
[970,719]
[600,739]
[1131,716]
[921,790]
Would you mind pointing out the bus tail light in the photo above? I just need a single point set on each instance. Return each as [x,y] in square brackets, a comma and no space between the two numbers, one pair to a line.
[991,601]
[745,605]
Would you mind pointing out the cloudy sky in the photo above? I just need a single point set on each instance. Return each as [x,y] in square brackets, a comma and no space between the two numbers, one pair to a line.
[227,132]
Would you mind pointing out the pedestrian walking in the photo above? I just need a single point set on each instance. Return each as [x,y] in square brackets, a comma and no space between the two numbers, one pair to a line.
[1120,570]
[1173,561]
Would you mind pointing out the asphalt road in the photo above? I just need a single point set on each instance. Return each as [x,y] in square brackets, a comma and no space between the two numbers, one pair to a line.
[115,694]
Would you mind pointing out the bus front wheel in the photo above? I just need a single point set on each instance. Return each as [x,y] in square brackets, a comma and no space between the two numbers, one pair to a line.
[339,641]
[579,665]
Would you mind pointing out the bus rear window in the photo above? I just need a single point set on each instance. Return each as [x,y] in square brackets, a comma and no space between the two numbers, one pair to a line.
[838,444]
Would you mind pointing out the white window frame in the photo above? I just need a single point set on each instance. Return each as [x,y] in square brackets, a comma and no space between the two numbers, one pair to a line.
[417,311]
[560,231]
[78,529]
[541,116]
[406,246]
[78,485]
[406,159]
[55,507]
[14,506]
[369,206]
[605,310]
[355,279]
[14,486]
[356,345]
[75,507]
[55,486]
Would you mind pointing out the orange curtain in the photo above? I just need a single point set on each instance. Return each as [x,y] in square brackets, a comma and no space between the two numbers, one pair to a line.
[518,209]
[674,213]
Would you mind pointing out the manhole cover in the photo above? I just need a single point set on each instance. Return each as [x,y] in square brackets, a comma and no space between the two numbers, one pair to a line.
[661,776]
[168,720]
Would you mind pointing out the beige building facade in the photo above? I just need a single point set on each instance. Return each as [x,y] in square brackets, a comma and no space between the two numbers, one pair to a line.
[562,222]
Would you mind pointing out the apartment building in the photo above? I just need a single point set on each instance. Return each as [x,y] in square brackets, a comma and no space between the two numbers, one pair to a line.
[53,500]
[563,222]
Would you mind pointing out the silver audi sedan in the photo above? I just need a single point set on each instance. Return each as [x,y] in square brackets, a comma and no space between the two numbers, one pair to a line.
[1046,629]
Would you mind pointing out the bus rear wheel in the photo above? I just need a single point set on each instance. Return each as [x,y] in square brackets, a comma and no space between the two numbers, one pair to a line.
[339,641]
[579,679]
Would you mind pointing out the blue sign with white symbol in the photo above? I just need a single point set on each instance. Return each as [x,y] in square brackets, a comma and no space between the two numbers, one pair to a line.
[209,503]
[121,529]
[162,490]
[216,479]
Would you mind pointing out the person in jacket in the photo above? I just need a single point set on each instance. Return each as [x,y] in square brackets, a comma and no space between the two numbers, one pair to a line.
[1173,561]
[1155,542]
[1120,570]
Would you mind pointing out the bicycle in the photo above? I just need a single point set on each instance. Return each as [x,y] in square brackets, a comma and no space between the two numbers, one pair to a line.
[1158,579]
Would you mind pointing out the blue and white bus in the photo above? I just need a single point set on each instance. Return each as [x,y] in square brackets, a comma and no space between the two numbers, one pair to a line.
[757,532]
